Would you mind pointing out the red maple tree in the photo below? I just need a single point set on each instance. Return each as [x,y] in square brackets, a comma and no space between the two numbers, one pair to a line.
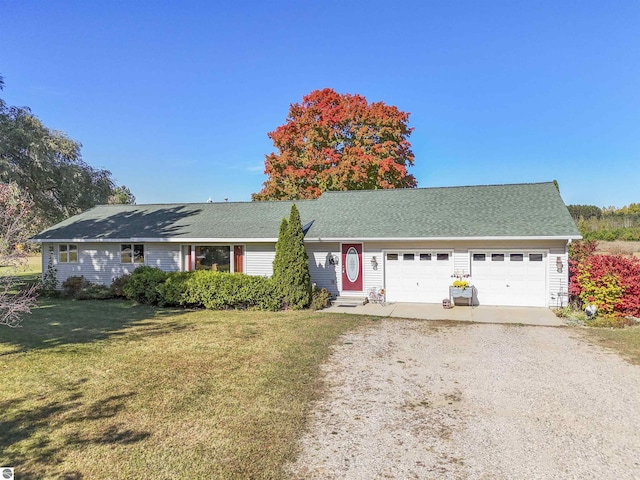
[335,141]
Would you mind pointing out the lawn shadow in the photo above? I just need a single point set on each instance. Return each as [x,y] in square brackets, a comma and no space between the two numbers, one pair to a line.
[31,426]
[54,323]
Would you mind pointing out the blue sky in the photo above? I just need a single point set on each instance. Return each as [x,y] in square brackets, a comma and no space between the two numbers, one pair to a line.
[176,98]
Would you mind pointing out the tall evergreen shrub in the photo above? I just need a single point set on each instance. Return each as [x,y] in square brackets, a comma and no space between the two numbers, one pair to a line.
[291,266]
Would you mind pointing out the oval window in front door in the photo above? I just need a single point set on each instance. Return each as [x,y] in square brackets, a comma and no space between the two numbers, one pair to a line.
[353,265]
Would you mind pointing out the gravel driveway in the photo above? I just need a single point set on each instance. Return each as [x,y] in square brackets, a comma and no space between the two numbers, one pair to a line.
[406,399]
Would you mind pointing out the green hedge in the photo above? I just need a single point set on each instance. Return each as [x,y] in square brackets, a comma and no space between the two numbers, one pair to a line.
[143,285]
[203,288]
[219,290]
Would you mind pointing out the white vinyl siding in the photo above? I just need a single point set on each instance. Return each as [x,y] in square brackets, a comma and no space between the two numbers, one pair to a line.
[372,278]
[259,259]
[101,262]
[324,273]
[558,281]
[461,264]
[163,256]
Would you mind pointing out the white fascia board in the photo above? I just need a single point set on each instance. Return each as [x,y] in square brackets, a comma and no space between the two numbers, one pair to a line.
[457,239]
[155,240]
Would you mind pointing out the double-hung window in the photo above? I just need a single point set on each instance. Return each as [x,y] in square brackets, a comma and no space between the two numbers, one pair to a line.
[132,253]
[68,253]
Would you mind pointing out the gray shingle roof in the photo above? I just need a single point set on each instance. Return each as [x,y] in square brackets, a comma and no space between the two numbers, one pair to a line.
[521,210]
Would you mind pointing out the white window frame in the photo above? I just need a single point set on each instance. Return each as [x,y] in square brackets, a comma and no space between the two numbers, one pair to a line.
[69,247]
[133,257]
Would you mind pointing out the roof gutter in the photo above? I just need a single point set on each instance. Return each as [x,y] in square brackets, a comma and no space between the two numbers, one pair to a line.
[456,239]
[307,239]
[154,240]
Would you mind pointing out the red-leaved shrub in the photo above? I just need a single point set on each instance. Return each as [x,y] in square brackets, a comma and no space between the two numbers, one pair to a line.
[612,282]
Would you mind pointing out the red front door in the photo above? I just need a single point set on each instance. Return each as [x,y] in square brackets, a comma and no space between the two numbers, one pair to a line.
[352,267]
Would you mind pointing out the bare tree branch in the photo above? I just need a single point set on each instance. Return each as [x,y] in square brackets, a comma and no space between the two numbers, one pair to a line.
[16,225]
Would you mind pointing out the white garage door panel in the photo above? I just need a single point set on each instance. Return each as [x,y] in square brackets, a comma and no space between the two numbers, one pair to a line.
[420,281]
[510,282]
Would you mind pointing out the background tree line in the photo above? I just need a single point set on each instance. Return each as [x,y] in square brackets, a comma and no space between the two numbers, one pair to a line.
[47,167]
[608,223]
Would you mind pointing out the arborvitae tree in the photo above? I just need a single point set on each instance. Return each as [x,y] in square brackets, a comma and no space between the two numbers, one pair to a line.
[297,292]
[291,265]
[280,262]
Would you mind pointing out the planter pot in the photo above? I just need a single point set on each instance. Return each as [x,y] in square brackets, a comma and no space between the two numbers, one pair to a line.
[457,292]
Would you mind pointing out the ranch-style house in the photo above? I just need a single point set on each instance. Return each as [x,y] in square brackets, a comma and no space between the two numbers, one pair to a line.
[509,241]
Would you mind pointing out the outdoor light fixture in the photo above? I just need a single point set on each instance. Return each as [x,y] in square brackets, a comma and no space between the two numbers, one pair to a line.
[374,263]
[559,264]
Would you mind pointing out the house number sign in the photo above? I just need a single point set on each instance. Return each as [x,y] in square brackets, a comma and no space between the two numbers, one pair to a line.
[353,266]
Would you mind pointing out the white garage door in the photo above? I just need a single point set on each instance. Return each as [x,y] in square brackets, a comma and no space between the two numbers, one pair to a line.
[510,278]
[418,276]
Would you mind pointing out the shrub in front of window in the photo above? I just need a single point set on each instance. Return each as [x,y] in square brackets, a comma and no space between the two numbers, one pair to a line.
[143,285]
[222,291]
[72,285]
[174,289]
[82,289]
[117,285]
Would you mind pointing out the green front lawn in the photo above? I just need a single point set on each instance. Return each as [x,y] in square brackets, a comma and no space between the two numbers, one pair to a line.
[115,390]
[28,274]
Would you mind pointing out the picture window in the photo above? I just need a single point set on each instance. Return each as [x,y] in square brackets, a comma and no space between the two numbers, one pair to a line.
[213,257]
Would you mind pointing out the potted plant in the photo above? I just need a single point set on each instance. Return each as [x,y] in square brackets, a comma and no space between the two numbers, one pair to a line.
[460,288]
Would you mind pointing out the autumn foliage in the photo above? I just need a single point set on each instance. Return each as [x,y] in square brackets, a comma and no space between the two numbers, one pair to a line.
[335,141]
[611,282]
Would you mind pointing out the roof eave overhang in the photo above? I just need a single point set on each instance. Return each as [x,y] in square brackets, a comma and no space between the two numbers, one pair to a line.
[307,239]
[155,240]
[452,239]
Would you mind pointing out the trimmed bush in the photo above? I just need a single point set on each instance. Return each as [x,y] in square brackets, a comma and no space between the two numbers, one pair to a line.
[72,285]
[118,284]
[143,285]
[220,291]
[320,298]
[174,290]
[82,289]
